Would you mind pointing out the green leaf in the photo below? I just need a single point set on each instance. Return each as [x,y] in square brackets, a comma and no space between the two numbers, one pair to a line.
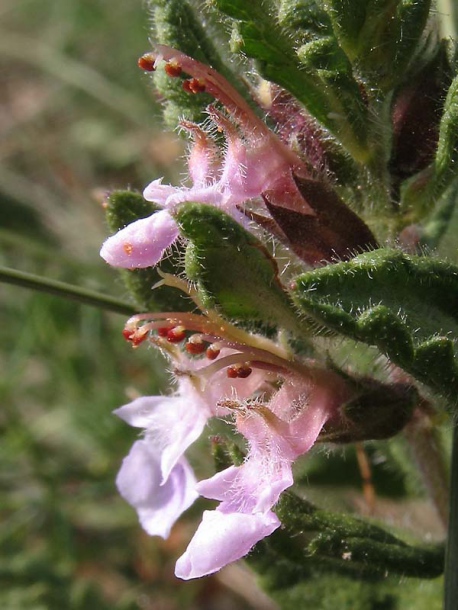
[327,560]
[347,18]
[233,269]
[379,37]
[123,208]
[304,17]
[350,540]
[446,161]
[331,591]
[423,192]
[332,97]
[407,306]
[441,220]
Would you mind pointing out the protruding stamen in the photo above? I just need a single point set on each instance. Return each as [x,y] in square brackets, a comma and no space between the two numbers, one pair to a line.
[136,335]
[221,121]
[173,68]
[244,371]
[195,345]
[194,85]
[212,352]
[203,157]
[239,371]
[147,62]
[177,334]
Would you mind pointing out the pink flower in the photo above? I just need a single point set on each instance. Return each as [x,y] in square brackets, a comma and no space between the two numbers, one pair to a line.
[277,433]
[240,376]
[159,503]
[172,423]
[142,243]
[155,478]
[254,162]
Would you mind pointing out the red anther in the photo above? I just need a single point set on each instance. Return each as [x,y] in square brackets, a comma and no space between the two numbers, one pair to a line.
[146,62]
[195,345]
[136,336]
[164,331]
[139,338]
[212,352]
[244,371]
[186,86]
[176,334]
[197,85]
[194,85]
[239,371]
[128,334]
[173,68]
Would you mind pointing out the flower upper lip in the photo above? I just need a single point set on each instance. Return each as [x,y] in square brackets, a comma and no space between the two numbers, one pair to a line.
[254,162]
[279,424]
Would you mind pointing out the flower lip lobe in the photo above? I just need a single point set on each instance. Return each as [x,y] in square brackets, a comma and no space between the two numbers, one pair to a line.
[158,505]
[142,243]
[221,539]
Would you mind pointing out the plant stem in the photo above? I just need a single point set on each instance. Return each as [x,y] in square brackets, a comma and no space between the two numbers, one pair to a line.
[428,453]
[451,555]
[65,291]
[448,17]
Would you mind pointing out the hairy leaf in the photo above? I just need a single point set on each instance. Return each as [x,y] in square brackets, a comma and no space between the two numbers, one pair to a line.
[233,269]
[406,306]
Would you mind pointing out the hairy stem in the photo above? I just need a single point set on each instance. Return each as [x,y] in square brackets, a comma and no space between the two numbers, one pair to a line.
[451,555]
[428,453]
[65,291]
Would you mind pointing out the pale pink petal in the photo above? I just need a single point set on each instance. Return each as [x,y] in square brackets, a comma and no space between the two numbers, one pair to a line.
[203,156]
[172,424]
[221,386]
[245,176]
[220,485]
[158,192]
[221,539]
[142,243]
[268,492]
[253,487]
[140,413]
[295,417]
[158,505]
[210,194]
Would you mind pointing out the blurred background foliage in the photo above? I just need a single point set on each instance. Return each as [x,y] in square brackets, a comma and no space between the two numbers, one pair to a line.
[77,119]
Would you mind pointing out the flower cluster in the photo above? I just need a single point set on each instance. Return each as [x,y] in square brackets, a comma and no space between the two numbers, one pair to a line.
[276,403]
[281,237]
[255,162]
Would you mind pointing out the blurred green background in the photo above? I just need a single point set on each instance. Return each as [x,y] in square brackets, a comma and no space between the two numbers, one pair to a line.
[77,118]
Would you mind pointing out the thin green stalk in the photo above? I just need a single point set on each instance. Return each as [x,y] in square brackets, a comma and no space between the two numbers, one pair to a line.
[65,291]
[448,18]
[379,137]
[451,555]
[428,454]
